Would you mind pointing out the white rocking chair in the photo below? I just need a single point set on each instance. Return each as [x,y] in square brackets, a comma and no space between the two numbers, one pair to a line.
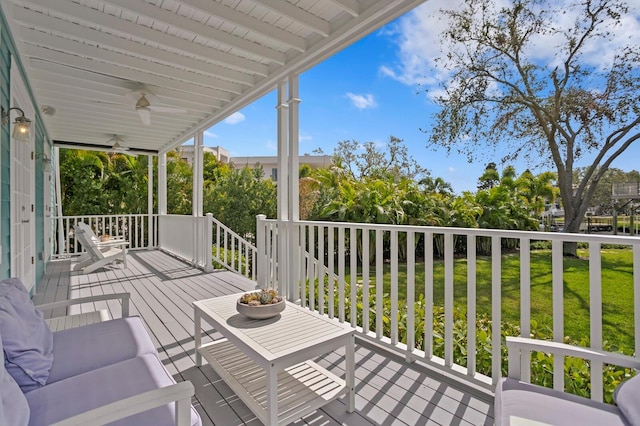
[98,253]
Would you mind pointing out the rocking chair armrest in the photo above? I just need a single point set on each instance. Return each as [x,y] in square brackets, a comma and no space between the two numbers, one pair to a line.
[518,346]
[124,297]
[180,393]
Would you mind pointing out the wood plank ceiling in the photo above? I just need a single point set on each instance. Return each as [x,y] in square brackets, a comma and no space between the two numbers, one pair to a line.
[196,61]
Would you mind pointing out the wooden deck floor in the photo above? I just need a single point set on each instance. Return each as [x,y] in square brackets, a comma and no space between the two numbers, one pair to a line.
[389,391]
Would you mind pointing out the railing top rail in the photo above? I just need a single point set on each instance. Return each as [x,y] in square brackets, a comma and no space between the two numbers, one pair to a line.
[85,216]
[230,231]
[480,232]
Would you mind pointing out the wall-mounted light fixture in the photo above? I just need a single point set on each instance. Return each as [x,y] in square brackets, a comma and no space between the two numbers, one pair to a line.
[21,125]
[46,161]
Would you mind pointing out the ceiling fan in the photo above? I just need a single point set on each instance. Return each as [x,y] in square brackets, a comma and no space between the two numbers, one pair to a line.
[116,145]
[146,101]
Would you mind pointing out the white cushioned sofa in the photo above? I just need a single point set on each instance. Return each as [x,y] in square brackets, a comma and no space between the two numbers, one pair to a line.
[94,374]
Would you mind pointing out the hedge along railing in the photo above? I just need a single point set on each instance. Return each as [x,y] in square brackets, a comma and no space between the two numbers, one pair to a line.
[133,227]
[231,251]
[323,250]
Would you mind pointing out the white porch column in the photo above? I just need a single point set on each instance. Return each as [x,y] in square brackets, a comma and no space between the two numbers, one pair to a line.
[283,193]
[162,183]
[198,231]
[150,244]
[294,189]
[198,180]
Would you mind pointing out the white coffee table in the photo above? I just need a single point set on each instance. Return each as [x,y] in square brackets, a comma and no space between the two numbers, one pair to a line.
[268,362]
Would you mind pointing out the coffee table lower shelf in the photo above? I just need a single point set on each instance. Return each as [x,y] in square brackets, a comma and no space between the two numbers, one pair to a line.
[302,388]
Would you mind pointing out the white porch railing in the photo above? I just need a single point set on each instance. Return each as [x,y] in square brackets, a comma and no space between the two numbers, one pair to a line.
[134,227]
[187,237]
[232,251]
[206,242]
[325,253]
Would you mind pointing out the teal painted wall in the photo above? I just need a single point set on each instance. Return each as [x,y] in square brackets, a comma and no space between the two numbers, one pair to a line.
[39,201]
[5,159]
[42,145]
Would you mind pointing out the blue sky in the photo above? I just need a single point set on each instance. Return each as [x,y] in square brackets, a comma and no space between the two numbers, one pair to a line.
[369,92]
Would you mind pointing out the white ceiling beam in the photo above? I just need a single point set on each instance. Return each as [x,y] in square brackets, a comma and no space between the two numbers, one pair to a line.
[116,112]
[247,22]
[60,26]
[117,71]
[298,15]
[350,6]
[81,95]
[42,39]
[71,9]
[142,8]
[48,72]
[101,130]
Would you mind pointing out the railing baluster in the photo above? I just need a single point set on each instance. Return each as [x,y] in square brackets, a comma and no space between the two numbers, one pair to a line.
[636,295]
[394,286]
[331,251]
[321,269]
[525,301]
[365,281]
[428,295]
[471,305]
[311,268]
[353,273]
[304,261]
[558,311]
[448,299]
[496,308]
[341,253]
[411,284]
[379,281]
[595,317]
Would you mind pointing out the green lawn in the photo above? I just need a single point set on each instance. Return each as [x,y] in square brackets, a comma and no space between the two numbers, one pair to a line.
[617,291]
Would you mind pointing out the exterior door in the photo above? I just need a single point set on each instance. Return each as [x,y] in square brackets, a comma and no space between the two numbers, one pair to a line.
[22,189]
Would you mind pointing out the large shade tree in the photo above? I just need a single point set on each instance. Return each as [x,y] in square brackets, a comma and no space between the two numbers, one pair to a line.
[525,76]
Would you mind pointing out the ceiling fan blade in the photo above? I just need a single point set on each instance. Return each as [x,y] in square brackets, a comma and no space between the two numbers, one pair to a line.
[172,110]
[145,115]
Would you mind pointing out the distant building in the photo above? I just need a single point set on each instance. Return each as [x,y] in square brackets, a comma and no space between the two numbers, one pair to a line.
[221,154]
[270,163]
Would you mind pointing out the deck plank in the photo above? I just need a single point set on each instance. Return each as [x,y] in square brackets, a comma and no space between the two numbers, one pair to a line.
[163,288]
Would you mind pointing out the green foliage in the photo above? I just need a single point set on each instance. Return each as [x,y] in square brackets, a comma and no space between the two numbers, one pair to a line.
[102,183]
[238,196]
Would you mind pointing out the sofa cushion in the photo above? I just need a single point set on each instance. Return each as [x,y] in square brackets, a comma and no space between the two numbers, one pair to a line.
[81,349]
[517,402]
[14,409]
[627,397]
[93,389]
[27,339]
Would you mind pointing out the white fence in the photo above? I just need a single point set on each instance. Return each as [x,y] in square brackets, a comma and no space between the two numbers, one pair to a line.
[139,229]
[400,312]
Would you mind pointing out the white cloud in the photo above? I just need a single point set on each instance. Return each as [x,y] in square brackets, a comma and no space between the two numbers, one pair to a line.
[304,137]
[210,134]
[417,35]
[235,118]
[451,169]
[362,101]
